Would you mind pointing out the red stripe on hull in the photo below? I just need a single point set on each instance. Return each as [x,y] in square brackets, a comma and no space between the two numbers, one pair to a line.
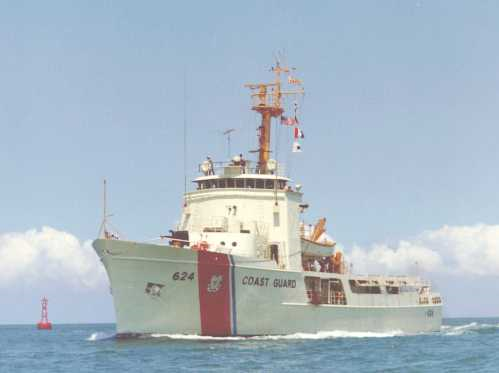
[214,293]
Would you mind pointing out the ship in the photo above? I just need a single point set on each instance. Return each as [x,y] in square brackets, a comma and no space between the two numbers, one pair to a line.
[242,261]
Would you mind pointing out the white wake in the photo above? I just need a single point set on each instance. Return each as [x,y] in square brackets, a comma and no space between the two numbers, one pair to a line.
[100,336]
[446,330]
[472,327]
[294,336]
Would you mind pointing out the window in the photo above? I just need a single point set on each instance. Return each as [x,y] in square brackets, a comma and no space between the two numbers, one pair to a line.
[392,289]
[364,287]
[269,184]
[277,220]
[282,184]
[260,184]
[250,183]
[221,183]
[325,290]
[336,292]
[311,283]
[239,183]
[230,183]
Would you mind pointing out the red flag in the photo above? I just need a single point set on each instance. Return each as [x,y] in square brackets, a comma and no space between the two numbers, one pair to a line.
[299,133]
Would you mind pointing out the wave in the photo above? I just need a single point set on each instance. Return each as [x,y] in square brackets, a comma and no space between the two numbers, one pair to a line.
[472,327]
[100,336]
[295,336]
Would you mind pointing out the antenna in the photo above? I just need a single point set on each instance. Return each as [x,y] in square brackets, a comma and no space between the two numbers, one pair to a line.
[104,201]
[227,133]
[185,134]
[103,232]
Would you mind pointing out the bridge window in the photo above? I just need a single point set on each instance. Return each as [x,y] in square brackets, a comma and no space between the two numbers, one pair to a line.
[269,184]
[241,183]
[392,289]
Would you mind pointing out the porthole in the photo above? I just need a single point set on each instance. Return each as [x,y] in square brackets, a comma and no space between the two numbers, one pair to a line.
[222,243]
[234,243]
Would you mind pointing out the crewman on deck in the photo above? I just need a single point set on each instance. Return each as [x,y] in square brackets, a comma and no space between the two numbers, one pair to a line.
[211,170]
[242,163]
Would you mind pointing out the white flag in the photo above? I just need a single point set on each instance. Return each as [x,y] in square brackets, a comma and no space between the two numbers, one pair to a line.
[296,147]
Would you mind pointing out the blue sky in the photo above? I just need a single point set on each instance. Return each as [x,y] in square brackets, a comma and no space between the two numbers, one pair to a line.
[400,118]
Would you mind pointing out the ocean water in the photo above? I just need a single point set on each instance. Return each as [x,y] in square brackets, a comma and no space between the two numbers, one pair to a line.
[462,345]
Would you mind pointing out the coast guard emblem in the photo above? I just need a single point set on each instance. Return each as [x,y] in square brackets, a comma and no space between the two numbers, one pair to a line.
[215,283]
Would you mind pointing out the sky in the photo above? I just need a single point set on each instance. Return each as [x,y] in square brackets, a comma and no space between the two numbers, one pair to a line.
[400,150]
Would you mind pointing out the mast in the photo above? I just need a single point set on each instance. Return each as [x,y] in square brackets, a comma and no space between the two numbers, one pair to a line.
[104,203]
[268,105]
[103,232]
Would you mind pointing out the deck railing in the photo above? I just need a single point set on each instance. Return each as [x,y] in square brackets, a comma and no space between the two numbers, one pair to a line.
[237,168]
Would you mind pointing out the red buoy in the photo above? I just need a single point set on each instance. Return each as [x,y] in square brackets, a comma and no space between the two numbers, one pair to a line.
[44,322]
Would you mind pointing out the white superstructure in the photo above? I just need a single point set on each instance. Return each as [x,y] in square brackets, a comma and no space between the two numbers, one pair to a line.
[241,261]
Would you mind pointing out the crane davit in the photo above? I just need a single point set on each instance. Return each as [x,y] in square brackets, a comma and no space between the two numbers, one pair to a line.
[44,323]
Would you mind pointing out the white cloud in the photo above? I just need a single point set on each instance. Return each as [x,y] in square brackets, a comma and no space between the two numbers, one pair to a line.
[52,255]
[468,250]
[48,254]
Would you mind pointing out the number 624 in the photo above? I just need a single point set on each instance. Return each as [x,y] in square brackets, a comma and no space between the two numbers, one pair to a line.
[182,276]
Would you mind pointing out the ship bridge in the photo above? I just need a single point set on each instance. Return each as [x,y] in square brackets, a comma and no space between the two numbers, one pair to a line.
[241,174]
[249,208]
[243,209]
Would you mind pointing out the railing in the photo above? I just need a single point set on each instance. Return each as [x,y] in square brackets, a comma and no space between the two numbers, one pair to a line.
[436,300]
[238,168]
[401,281]
[337,297]
[424,300]
[328,267]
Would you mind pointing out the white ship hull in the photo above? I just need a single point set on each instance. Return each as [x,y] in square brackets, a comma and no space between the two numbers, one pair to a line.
[168,290]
